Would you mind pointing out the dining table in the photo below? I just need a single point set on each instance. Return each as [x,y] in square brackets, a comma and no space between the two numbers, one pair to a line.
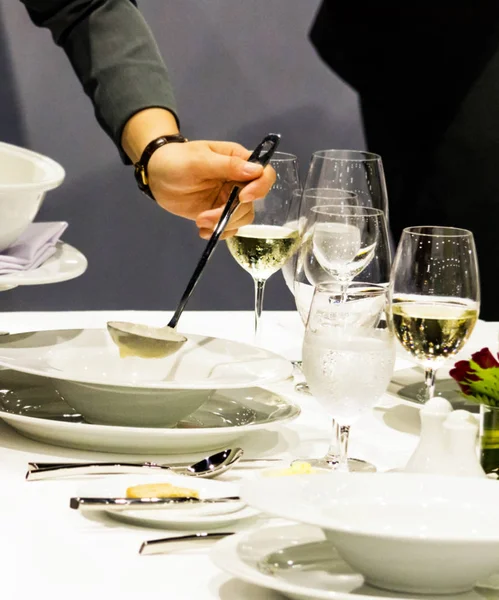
[49,551]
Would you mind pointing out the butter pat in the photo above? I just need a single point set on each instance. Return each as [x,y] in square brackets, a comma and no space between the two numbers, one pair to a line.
[297,468]
[160,490]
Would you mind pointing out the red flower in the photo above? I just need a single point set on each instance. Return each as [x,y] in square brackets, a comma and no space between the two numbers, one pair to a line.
[478,377]
[484,359]
[463,374]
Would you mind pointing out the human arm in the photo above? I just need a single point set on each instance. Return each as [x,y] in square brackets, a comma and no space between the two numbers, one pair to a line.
[117,61]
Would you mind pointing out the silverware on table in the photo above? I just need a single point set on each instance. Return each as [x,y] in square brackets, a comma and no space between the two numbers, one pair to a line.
[163,545]
[119,504]
[208,467]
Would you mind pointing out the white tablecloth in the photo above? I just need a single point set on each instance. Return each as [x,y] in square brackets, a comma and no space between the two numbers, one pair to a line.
[50,551]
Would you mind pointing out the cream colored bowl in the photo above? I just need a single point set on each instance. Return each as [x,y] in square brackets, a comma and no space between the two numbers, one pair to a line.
[25,178]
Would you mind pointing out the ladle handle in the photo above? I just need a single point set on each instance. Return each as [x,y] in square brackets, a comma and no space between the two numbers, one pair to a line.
[262,154]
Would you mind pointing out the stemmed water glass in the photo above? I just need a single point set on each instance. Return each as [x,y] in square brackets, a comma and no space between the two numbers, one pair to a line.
[435,295]
[263,247]
[348,360]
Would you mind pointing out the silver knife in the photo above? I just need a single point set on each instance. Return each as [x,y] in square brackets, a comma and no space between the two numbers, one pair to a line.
[117,504]
[171,544]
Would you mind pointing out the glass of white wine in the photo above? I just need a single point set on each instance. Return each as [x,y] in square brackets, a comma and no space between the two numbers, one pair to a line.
[435,295]
[263,247]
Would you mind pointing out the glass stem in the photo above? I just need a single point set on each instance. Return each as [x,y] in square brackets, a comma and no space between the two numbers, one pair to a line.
[259,290]
[429,380]
[344,291]
[337,454]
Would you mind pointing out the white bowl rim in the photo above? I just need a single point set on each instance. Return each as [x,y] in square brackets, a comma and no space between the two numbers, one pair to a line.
[283,373]
[55,173]
[335,525]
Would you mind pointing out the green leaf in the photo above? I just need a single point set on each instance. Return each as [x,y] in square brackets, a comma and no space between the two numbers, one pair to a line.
[486,389]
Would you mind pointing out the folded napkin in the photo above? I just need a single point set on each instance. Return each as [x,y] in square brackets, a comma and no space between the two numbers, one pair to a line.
[32,248]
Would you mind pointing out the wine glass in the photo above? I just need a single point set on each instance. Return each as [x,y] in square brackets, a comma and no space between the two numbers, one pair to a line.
[348,360]
[263,247]
[305,200]
[342,240]
[353,170]
[435,295]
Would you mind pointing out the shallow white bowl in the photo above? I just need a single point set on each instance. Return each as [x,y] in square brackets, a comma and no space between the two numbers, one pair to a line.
[138,392]
[403,532]
[25,177]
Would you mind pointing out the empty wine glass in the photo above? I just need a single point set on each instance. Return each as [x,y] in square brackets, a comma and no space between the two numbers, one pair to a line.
[263,247]
[342,239]
[305,201]
[348,360]
[352,170]
[435,295]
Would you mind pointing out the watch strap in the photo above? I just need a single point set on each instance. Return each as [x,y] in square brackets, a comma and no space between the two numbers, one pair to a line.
[141,175]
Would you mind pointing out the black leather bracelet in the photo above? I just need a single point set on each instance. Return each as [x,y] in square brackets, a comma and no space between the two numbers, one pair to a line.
[141,166]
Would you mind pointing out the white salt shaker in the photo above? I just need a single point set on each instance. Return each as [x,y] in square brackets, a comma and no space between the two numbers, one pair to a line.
[461,435]
[431,454]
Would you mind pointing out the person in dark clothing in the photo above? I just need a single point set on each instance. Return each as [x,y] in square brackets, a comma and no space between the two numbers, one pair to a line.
[427,75]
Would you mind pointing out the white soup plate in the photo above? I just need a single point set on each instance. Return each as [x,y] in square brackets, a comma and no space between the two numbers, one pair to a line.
[138,392]
[299,563]
[404,532]
[34,407]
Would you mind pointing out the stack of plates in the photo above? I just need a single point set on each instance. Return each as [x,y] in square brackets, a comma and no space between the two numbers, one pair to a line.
[78,392]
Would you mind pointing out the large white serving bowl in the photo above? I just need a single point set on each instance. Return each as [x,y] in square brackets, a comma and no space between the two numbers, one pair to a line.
[138,392]
[25,177]
[404,532]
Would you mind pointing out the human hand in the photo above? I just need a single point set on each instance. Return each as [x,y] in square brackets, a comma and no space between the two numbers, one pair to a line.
[194,180]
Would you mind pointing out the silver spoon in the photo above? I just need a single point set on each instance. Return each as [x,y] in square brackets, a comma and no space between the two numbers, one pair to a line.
[145,341]
[208,467]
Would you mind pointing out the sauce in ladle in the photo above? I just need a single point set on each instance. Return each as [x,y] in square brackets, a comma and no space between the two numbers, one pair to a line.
[143,341]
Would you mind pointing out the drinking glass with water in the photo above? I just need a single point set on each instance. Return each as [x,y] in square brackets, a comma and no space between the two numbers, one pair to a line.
[348,360]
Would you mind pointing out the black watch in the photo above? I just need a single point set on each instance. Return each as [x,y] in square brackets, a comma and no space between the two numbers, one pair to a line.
[141,166]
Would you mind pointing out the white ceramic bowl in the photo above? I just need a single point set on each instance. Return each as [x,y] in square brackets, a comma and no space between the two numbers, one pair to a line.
[25,177]
[404,532]
[107,389]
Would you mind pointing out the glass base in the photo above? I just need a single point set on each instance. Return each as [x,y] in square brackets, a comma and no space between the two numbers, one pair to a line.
[354,464]
[303,388]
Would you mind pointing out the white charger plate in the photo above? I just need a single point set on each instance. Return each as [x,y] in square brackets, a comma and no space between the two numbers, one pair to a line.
[90,356]
[35,409]
[318,577]
[192,517]
[67,263]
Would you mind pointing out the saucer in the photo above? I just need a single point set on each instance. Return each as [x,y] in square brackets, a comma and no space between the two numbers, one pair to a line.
[67,263]
[193,517]
[298,562]
[35,408]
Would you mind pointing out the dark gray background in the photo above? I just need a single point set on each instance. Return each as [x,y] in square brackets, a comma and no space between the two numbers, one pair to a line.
[240,69]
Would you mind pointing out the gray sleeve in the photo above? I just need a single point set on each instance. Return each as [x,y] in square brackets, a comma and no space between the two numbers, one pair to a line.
[114,55]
